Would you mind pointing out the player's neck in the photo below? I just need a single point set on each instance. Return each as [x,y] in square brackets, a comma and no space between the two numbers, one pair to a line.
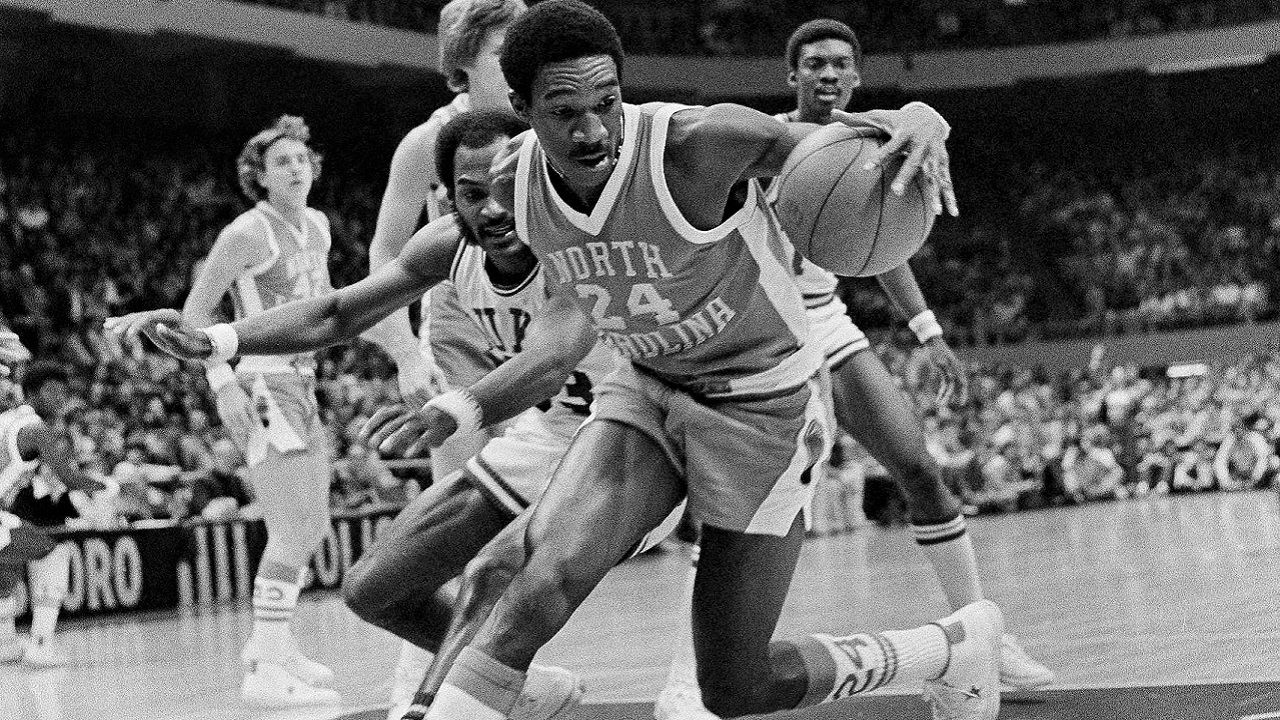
[292,211]
[819,116]
[507,271]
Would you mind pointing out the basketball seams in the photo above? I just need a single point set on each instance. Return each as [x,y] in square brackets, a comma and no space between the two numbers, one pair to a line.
[875,239]
[822,207]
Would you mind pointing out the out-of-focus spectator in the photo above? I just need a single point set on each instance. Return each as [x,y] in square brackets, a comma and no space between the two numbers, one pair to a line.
[221,492]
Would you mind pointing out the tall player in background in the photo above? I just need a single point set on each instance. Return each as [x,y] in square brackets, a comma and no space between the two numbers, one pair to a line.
[27,442]
[825,60]
[451,352]
[271,254]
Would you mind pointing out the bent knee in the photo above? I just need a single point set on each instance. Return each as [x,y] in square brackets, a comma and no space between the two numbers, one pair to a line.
[370,591]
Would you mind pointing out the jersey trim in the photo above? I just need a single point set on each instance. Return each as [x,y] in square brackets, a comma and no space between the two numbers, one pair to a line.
[657,169]
[592,224]
[518,287]
[302,237]
[457,259]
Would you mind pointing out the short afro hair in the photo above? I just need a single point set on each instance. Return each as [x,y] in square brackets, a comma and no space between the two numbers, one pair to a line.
[555,31]
[472,129]
[818,30]
[463,27]
[40,373]
[252,158]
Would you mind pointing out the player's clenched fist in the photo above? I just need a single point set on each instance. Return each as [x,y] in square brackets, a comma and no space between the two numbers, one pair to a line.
[401,431]
[167,330]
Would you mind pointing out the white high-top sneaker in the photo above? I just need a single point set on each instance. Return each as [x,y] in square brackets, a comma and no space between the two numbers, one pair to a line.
[969,688]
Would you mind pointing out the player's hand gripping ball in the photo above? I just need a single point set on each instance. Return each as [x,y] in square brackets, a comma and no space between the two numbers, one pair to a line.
[843,217]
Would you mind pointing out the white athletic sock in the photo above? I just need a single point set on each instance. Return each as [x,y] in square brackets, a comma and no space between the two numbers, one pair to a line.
[274,601]
[47,578]
[684,666]
[8,611]
[838,667]
[477,688]
[949,548]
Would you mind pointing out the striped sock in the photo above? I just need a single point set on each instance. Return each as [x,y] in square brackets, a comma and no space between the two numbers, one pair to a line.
[477,688]
[949,548]
[275,597]
[838,667]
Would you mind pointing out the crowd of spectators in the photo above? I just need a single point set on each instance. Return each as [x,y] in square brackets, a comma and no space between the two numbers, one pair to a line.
[92,228]
[1025,438]
[759,27]
[89,230]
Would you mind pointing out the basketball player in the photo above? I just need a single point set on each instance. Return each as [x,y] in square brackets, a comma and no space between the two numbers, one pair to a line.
[451,351]
[825,58]
[26,442]
[273,253]
[632,209]
[501,285]
[11,348]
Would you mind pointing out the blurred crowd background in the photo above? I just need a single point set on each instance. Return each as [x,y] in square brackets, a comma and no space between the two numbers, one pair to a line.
[1060,238]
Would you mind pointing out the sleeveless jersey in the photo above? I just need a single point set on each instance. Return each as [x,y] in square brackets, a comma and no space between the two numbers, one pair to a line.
[13,469]
[504,314]
[715,312]
[297,269]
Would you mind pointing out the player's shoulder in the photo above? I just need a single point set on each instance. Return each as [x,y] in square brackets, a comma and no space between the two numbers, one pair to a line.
[318,217]
[248,224]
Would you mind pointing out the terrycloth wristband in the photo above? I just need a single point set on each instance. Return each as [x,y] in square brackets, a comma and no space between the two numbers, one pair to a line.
[226,343]
[463,407]
[925,326]
[219,376]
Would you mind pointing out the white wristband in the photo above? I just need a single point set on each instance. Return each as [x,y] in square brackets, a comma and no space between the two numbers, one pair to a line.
[219,376]
[925,326]
[463,407]
[226,343]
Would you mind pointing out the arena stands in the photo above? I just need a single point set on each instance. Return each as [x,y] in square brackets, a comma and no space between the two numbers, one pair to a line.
[736,27]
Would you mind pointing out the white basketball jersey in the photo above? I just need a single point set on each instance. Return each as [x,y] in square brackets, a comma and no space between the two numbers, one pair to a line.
[504,314]
[13,469]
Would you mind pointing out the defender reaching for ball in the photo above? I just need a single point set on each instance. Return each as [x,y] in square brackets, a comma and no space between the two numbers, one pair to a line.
[633,210]
[825,59]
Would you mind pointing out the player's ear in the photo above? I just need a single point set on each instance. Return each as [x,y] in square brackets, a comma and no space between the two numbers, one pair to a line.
[518,104]
[791,79]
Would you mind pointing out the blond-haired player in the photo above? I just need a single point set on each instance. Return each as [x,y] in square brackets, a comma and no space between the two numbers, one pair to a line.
[451,349]
[275,252]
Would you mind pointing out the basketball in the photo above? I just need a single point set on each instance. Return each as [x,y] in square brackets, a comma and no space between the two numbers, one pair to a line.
[844,218]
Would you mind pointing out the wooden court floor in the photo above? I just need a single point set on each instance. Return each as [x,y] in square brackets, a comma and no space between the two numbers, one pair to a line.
[1165,591]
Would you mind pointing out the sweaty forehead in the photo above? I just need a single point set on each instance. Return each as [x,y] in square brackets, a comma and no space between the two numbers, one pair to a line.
[579,76]
[471,165]
[827,48]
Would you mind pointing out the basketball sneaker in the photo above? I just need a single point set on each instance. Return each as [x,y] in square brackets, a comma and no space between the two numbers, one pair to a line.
[681,700]
[12,649]
[1018,669]
[549,693]
[290,658]
[43,654]
[969,687]
[270,686]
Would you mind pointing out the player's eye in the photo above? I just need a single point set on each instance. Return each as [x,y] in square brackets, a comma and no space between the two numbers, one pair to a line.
[606,104]
[474,197]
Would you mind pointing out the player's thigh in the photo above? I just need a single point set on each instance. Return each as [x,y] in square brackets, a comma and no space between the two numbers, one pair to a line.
[433,538]
[613,486]
[873,409]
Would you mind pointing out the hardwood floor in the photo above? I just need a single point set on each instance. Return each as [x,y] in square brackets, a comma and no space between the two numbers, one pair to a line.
[1142,592]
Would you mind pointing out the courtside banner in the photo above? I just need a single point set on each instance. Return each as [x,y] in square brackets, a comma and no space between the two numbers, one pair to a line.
[162,565]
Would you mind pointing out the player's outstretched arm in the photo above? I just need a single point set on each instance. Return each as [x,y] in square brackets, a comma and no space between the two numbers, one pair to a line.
[555,343]
[738,139]
[314,323]
[904,291]
[409,189]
